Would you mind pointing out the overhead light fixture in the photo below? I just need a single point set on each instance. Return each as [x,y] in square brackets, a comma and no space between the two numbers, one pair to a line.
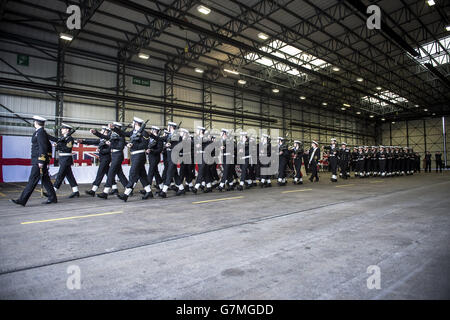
[393,122]
[66,36]
[275,90]
[378,88]
[359,79]
[199,70]
[203,9]
[383,119]
[324,103]
[346,105]
[371,116]
[431,3]
[263,36]
[433,114]
[143,55]
[416,106]
[425,110]
[302,97]
[358,112]
[231,71]
[447,28]
[343,108]
[242,81]
[335,69]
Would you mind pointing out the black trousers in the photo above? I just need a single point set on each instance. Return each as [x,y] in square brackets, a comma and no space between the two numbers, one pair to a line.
[35,176]
[313,169]
[186,172]
[333,164]
[65,171]
[171,173]
[153,161]
[282,167]
[298,168]
[137,170]
[439,165]
[115,168]
[382,165]
[204,174]
[344,168]
[244,170]
[360,166]
[226,173]
[213,172]
[428,166]
[103,168]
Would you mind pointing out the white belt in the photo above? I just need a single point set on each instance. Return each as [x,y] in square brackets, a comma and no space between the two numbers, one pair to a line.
[115,150]
[65,154]
[246,157]
[137,151]
[227,154]
[200,151]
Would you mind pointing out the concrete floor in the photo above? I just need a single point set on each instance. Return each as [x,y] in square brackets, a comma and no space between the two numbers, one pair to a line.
[314,243]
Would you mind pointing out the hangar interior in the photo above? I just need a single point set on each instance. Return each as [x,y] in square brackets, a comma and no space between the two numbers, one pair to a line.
[304,69]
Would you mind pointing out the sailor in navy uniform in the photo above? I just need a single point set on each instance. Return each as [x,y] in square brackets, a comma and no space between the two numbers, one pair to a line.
[361,159]
[226,152]
[172,139]
[314,157]
[283,158]
[104,152]
[382,160]
[64,146]
[333,158]
[41,153]
[204,172]
[117,144]
[154,149]
[298,158]
[243,155]
[265,150]
[344,160]
[186,155]
[138,144]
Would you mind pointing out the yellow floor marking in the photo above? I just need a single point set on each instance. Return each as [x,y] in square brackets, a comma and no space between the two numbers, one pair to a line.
[377,181]
[345,185]
[296,190]
[75,217]
[2,194]
[213,200]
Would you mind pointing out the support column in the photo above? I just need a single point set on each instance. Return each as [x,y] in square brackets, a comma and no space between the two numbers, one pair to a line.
[168,94]
[120,89]
[238,110]
[59,101]
[207,112]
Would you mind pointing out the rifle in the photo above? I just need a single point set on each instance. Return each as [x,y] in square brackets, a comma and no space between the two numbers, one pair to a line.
[71,132]
[138,134]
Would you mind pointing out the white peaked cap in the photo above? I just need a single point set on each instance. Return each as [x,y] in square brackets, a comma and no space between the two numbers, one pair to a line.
[139,120]
[156,128]
[105,128]
[66,125]
[343,143]
[38,118]
[315,142]
[243,133]
[172,124]
[265,135]
[280,138]
[225,130]
[297,141]
[184,130]
[117,124]
[333,139]
[201,128]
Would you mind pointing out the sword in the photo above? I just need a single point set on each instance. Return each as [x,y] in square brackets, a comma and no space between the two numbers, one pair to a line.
[41,172]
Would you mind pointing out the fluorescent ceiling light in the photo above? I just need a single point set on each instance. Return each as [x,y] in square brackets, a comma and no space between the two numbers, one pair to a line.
[324,103]
[263,36]
[66,36]
[358,112]
[335,69]
[302,97]
[359,79]
[378,88]
[433,114]
[393,122]
[383,119]
[203,9]
[199,70]
[416,106]
[425,110]
[431,3]
[346,105]
[447,28]
[371,116]
[143,55]
[231,71]
[275,90]
[242,81]
[343,109]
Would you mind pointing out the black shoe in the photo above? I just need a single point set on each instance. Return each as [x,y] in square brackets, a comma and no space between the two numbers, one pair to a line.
[45,194]
[239,187]
[207,190]
[147,195]
[202,187]
[173,188]
[114,191]
[317,180]
[180,192]
[220,189]
[123,197]
[254,184]
[194,190]
[17,202]
[299,182]
[311,179]
[74,194]
[90,193]
[162,194]
[262,185]
[50,201]
[142,192]
[102,195]
[269,185]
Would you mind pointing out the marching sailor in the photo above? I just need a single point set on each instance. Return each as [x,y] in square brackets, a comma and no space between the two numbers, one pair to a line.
[227,159]
[344,160]
[283,158]
[64,147]
[41,153]
[265,150]
[204,172]
[333,158]
[154,149]
[298,158]
[243,154]
[314,157]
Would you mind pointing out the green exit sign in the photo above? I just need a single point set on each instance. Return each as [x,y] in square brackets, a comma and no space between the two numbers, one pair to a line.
[23,60]
[141,82]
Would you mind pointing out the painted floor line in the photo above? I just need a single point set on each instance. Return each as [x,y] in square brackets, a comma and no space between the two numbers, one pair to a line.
[345,185]
[74,217]
[214,200]
[296,190]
